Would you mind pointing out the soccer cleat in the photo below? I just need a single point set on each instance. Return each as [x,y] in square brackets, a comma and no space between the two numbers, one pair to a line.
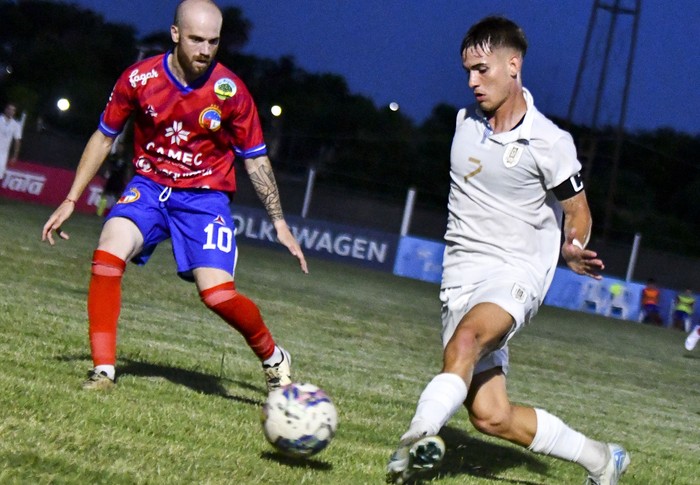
[414,456]
[98,381]
[618,463]
[280,374]
[692,339]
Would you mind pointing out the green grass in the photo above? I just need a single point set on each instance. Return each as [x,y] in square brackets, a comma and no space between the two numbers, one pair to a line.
[187,407]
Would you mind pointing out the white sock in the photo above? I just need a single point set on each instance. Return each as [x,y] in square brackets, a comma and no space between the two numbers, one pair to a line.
[440,399]
[275,358]
[555,438]
[107,369]
[692,339]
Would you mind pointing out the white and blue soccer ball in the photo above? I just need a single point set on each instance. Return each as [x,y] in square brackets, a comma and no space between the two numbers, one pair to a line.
[299,419]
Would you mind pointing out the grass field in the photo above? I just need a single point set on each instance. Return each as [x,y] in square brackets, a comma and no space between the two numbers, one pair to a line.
[187,407]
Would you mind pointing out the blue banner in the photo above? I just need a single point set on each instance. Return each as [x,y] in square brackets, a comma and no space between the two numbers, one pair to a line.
[420,259]
[611,297]
[365,247]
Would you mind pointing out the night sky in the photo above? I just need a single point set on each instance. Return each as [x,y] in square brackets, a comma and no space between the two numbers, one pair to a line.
[407,51]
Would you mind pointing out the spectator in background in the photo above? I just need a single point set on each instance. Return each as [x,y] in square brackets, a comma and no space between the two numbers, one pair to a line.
[650,304]
[116,175]
[683,306]
[10,137]
[618,300]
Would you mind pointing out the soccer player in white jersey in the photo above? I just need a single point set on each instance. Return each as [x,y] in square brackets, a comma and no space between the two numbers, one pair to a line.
[513,175]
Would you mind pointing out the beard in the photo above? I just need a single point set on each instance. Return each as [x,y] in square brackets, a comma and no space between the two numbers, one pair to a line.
[193,66]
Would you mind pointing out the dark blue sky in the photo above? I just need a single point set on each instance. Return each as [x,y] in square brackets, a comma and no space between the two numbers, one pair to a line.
[407,50]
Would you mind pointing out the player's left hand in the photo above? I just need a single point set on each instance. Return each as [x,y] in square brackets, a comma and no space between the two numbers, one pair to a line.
[581,261]
[59,216]
[285,236]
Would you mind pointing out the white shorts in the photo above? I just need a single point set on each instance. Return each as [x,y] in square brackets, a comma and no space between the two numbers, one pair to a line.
[514,297]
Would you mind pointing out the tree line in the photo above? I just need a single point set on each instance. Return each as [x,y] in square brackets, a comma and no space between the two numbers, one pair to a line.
[58,50]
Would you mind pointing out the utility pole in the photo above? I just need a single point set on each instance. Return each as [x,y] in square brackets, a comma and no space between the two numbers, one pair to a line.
[615,11]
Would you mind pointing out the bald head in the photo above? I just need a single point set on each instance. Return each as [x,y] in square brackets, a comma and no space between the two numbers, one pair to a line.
[191,10]
[196,32]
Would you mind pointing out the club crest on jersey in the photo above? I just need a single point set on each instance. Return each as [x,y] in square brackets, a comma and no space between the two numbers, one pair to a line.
[143,165]
[132,195]
[219,220]
[224,88]
[512,154]
[518,293]
[210,118]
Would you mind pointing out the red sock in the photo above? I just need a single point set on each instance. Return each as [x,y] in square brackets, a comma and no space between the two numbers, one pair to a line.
[242,314]
[104,304]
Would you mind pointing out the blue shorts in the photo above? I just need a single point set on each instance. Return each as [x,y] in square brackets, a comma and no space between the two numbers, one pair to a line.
[680,315]
[651,309]
[198,221]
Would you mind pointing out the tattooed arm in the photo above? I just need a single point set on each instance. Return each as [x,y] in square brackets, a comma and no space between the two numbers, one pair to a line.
[260,172]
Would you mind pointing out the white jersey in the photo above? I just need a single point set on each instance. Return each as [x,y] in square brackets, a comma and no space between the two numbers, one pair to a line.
[503,218]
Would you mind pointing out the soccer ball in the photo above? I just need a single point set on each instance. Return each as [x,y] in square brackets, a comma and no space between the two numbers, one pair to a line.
[299,419]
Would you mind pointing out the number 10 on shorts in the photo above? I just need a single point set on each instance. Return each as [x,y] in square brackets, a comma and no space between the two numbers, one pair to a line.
[223,236]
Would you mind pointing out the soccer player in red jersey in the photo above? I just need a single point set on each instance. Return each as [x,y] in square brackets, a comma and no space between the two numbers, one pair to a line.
[192,116]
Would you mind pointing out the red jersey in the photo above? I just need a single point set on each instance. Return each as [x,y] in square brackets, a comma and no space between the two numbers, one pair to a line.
[185,136]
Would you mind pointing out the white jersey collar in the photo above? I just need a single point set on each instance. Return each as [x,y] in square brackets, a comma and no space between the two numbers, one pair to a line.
[523,131]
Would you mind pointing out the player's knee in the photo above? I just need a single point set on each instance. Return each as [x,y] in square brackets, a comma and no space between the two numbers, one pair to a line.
[464,339]
[493,422]
[107,264]
[211,297]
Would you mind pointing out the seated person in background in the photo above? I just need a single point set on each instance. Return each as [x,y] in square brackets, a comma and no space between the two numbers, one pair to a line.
[650,304]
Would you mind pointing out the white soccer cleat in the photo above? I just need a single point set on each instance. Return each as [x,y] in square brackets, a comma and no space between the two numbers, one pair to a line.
[413,456]
[279,375]
[618,463]
[692,339]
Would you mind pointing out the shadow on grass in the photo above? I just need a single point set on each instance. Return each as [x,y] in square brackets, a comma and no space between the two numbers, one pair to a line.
[292,462]
[466,455]
[27,466]
[197,381]
[689,355]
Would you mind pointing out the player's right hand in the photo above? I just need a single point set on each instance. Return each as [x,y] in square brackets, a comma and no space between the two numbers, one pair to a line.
[59,216]
[581,261]
[285,236]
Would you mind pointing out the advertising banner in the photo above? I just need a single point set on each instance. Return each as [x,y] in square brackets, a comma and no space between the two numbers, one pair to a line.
[365,247]
[420,259]
[40,184]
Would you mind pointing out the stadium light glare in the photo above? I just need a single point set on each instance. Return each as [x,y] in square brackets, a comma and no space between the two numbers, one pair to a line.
[394,106]
[276,110]
[63,104]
